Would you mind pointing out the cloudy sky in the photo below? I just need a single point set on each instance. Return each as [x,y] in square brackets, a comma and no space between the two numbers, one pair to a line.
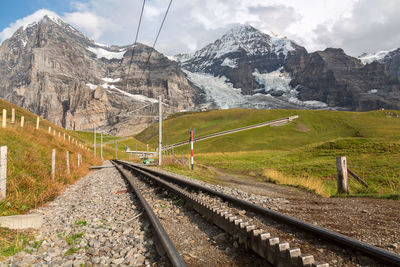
[357,26]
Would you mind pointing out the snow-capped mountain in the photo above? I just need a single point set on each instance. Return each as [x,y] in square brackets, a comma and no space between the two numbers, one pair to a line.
[240,41]
[55,71]
[251,69]
[247,65]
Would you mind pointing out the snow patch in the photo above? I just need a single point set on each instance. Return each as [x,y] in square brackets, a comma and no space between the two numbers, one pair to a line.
[221,93]
[281,45]
[278,80]
[24,43]
[111,80]
[373,91]
[100,44]
[229,63]
[91,86]
[378,56]
[217,89]
[173,58]
[112,89]
[102,53]
[308,103]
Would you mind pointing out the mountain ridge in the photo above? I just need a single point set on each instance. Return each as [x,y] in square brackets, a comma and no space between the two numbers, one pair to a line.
[322,79]
[55,71]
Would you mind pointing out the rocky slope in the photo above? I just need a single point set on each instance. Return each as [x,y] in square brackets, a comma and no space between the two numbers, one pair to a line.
[253,69]
[53,70]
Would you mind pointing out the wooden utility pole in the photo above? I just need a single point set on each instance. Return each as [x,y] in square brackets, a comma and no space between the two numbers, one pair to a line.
[341,167]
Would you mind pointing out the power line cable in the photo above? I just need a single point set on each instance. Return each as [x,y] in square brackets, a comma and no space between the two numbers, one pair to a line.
[137,34]
[140,21]
[155,41]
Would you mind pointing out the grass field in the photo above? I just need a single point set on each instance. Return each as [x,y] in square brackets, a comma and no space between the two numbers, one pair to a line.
[109,144]
[29,182]
[29,161]
[302,153]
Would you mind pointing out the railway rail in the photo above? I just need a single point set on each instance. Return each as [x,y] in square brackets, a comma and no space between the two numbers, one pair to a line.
[249,235]
[273,122]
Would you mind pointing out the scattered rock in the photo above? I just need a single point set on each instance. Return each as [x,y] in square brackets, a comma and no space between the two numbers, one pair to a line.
[85,225]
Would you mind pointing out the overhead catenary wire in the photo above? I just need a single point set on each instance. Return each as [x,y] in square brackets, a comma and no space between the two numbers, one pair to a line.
[155,41]
[136,37]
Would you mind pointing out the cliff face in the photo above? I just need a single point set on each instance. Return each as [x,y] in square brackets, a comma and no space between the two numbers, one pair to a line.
[340,80]
[56,72]
[288,76]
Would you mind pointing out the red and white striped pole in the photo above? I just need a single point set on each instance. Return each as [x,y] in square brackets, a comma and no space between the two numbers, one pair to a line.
[191,148]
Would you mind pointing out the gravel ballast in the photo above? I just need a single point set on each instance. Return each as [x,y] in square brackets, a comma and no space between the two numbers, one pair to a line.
[96,221]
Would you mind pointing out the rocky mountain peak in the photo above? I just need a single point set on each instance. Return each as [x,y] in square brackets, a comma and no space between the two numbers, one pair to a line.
[242,39]
[53,70]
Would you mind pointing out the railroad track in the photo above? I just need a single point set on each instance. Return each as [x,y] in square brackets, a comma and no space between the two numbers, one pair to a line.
[245,222]
[273,122]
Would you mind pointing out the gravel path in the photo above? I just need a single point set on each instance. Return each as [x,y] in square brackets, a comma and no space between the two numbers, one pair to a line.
[94,222]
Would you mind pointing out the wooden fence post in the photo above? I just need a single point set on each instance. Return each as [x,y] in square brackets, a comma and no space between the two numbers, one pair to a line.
[69,138]
[22,121]
[67,158]
[79,159]
[37,123]
[13,115]
[4,122]
[49,129]
[53,164]
[54,132]
[341,167]
[59,135]
[3,172]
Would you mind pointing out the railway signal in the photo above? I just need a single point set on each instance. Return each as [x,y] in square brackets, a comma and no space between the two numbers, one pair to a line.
[192,140]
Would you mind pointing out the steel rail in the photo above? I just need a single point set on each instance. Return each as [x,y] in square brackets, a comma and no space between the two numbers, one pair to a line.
[168,246]
[376,253]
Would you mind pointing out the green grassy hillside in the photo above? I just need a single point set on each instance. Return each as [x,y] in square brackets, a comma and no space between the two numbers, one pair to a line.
[109,144]
[29,161]
[301,153]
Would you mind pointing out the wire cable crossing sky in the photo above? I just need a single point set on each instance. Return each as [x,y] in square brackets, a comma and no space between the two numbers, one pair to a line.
[354,25]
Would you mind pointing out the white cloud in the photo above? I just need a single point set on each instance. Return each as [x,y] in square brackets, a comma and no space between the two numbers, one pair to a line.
[354,25]
[13,27]
[85,21]
[372,26]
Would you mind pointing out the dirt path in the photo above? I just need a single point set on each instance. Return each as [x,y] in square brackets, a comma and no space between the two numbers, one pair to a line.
[376,221]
